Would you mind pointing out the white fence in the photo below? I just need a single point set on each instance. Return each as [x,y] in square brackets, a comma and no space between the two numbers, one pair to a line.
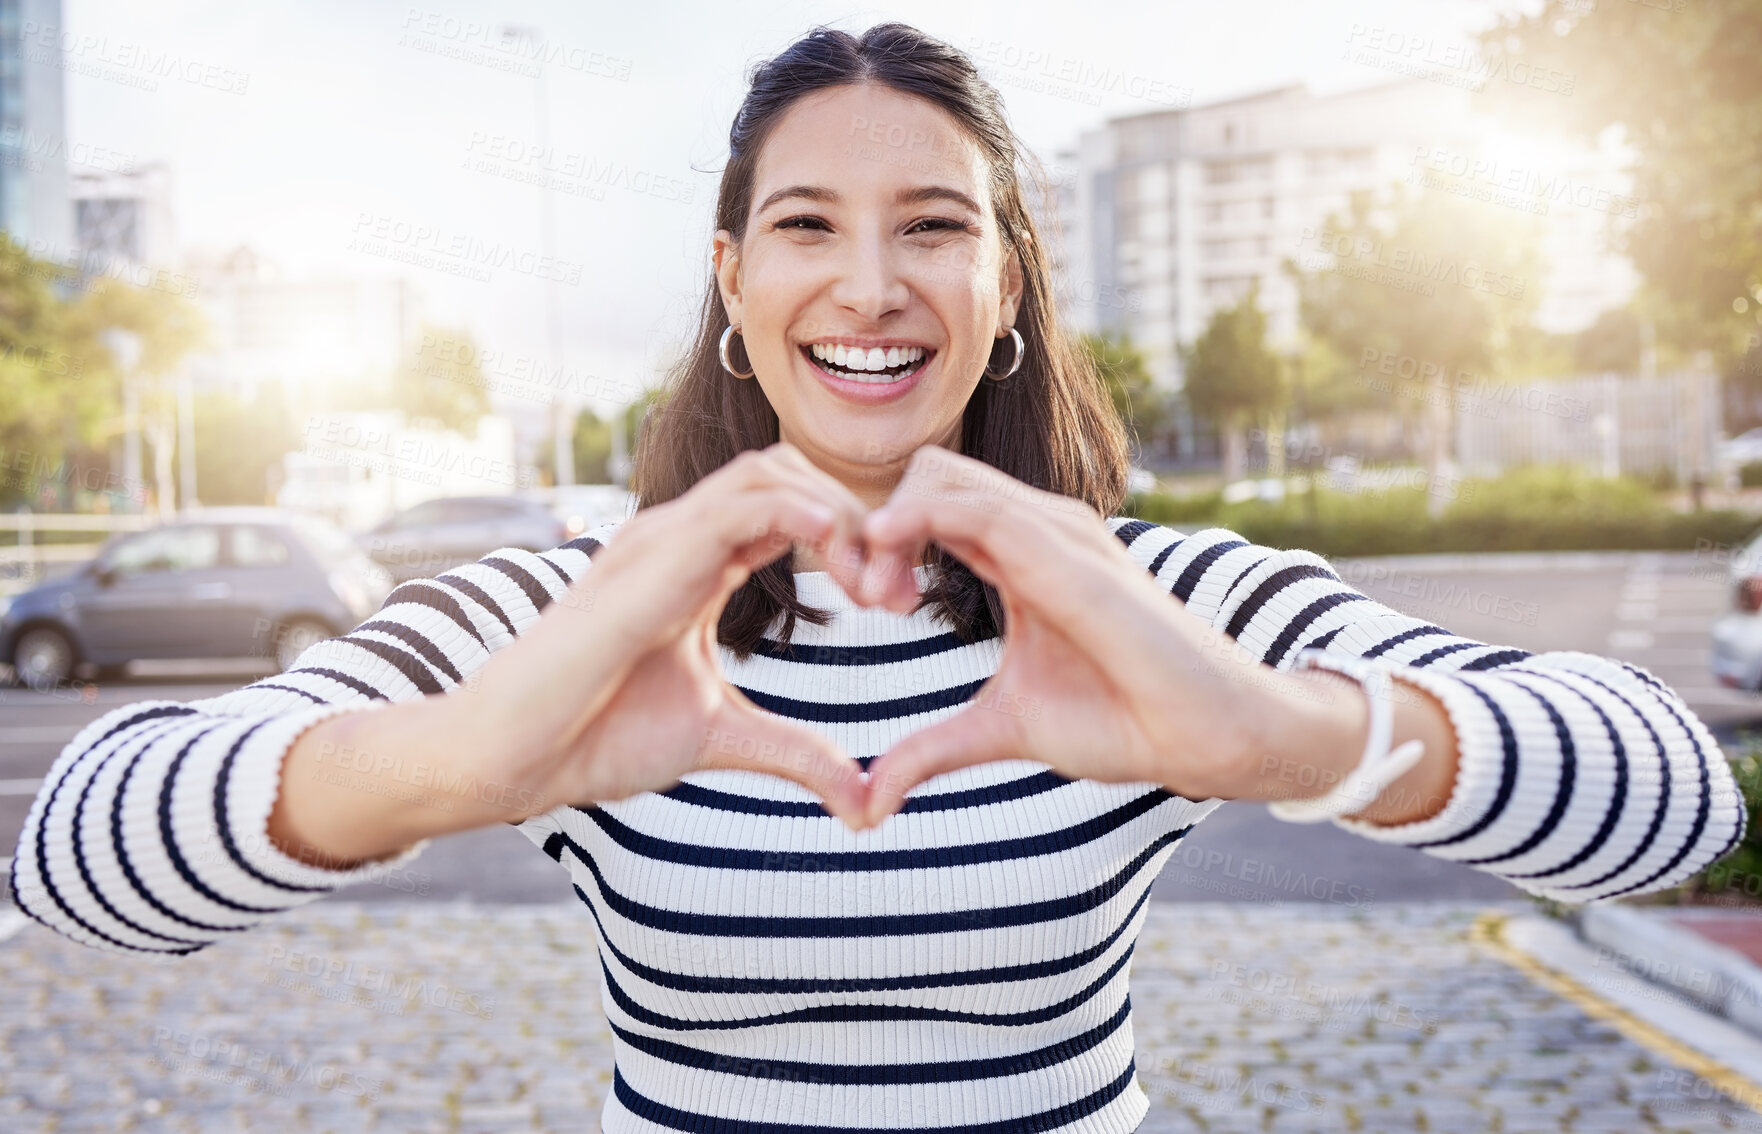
[1608,422]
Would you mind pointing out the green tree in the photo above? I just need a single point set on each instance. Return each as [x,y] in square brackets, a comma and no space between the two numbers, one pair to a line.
[62,403]
[1416,292]
[238,442]
[1129,385]
[593,441]
[440,381]
[1682,83]
[1233,379]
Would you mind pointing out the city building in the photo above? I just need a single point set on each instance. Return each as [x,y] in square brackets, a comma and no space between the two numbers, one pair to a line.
[34,205]
[124,214]
[1160,219]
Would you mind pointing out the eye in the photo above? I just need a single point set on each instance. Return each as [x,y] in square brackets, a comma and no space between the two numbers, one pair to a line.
[792,222]
[945,223]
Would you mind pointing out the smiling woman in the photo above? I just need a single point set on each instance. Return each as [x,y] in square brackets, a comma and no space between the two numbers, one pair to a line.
[868,536]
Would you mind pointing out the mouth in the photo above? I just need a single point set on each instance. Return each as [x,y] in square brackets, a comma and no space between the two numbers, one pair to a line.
[872,368]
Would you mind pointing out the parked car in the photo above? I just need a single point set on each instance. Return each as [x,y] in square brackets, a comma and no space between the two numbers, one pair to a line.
[215,583]
[1744,449]
[431,537]
[1737,634]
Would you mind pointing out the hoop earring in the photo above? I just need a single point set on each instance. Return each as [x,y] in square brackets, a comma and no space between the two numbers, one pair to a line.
[722,352]
[1021,350]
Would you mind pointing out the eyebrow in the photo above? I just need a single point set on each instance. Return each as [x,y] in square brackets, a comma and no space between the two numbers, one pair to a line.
[912,196]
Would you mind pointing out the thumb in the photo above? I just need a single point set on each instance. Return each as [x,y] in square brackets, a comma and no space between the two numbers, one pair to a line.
[974,735]
[742,737]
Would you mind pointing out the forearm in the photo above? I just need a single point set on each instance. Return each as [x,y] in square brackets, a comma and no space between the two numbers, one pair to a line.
[1310,728]
[363,786]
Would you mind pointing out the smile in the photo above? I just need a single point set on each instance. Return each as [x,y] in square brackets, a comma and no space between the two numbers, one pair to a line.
[874,367]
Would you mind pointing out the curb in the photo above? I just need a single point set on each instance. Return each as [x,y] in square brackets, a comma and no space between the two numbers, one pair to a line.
[1659,1020]
[1720,980]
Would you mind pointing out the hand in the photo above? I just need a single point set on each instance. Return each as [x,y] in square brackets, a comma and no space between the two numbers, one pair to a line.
[1104,675]
[617,688]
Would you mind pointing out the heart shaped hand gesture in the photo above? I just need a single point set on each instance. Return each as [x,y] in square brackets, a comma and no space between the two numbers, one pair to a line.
[1103,676]
[618,688]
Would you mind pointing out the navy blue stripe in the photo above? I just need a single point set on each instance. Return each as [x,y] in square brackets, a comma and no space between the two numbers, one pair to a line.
[1129,531]
[587,545]
[1507,776]
[1562,790]
[823,712]
[1617,798]
[522,578]
[1431,656]
[146,736]
[742,925]
[993,974]
[342,678]
[562,576]
[479,596]
[1501,657]
[221,817]
[1021,788]
[166,787]
[1703,808]
[1195,571]
[1388,644]
[880,654]
[128,869]
[49,886]
[1322,642]
[424,592]
[1281,645]
[1270,586]
[401,660]
[663,1115]
[711,857]
[1237,581]
[877,1074]
[417,640]
[1658,810]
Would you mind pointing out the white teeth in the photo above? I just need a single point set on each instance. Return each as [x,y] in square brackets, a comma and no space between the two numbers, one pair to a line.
[858,365]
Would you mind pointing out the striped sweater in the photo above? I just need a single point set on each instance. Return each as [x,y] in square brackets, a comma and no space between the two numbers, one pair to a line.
[765,968]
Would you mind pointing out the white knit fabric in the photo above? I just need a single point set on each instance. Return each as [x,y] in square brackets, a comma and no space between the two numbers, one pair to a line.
[965,964]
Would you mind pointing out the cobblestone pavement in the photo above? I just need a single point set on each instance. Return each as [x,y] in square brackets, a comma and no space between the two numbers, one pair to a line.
[1249,1017]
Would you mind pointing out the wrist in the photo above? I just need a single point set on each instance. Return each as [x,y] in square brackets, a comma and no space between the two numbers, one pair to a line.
[1309,730]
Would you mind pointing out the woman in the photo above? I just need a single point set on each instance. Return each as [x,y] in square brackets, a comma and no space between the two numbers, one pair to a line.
[880,454]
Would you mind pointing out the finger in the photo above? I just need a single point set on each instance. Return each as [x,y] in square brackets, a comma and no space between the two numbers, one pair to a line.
[743,737]
[974,735]
[843,553]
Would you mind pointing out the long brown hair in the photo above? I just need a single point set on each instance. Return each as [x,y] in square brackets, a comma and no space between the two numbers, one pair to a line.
[1051,424]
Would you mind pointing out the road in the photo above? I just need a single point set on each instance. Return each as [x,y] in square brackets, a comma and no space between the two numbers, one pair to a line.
[1651,609]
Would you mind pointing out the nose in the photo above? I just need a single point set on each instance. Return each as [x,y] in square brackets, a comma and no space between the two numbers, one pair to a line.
[868,282]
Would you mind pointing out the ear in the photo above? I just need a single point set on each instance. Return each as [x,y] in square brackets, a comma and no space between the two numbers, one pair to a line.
[725,254]
[1010,298]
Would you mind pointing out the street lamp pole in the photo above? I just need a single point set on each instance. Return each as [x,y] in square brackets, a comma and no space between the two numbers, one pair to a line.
[562,409]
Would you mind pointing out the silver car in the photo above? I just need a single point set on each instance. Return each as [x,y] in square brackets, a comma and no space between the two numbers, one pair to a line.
[214,583]
[427,539]
[1737,634]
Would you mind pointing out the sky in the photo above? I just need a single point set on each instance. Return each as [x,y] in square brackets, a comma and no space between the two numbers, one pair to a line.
[359,138]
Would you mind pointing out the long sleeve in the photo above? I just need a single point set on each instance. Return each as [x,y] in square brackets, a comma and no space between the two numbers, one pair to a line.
[149,834]
[1579,778]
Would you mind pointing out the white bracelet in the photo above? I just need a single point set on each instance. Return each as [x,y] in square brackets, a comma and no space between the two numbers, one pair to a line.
[1377,768]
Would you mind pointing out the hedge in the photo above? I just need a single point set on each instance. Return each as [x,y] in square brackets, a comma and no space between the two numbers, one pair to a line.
[1530,510]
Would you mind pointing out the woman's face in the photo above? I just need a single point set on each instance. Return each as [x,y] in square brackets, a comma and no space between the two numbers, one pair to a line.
[871,227]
